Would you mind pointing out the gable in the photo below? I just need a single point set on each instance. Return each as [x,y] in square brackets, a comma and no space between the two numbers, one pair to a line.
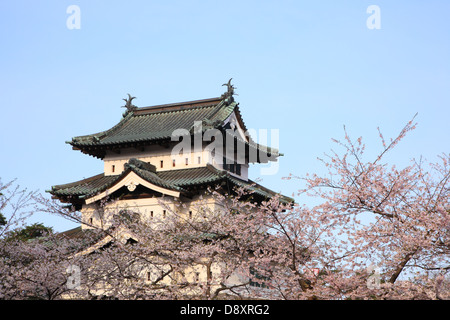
[234,122]
[131,180]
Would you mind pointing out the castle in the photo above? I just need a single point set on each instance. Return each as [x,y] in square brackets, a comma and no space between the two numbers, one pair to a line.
[145,161]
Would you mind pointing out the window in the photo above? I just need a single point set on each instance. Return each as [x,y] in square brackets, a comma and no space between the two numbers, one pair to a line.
[149,275]
[190,214]
[199,160]
[151,214]
[187,161]
[113,168]
[91,220]
[162,163]
[164,214]
[173,163]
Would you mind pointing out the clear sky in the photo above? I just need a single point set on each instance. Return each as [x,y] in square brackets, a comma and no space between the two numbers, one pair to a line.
[305,68]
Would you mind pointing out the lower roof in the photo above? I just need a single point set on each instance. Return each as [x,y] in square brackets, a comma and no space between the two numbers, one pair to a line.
[182,180]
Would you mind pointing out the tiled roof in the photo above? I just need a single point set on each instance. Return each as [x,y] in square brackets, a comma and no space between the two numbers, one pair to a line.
[149,124]
[181,180]
[84,187]
[191,177]
[148,172]
[99,183]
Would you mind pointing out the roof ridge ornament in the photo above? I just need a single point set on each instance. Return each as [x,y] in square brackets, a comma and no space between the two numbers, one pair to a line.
[230,90]
[128,104]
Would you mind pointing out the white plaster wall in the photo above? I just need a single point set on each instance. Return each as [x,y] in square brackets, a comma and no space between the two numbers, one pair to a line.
[150,209]
[114,162]
[154,157]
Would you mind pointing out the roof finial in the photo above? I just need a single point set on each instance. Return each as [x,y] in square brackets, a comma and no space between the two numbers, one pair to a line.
[230,89]
[130,107]
[128,104]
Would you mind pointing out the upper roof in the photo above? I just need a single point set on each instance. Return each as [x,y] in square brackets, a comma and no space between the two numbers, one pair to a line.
[149,125]
[155,123]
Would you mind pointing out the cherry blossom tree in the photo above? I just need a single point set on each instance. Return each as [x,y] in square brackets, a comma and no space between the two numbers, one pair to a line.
[33,259]
[378,232]
[396,219]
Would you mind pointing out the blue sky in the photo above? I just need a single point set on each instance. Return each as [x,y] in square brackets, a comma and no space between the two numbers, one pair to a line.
[304,67]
